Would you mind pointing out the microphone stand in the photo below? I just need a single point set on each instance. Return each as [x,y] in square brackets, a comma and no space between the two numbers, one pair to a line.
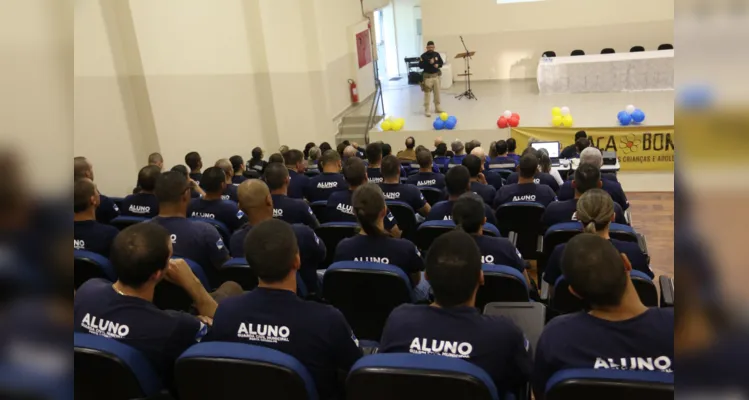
[468,93]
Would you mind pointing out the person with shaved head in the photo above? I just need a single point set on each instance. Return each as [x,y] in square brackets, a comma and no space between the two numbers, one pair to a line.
[106,210]
[156,159]
[592,156]
[212,206]
[88,234]
[230,192]
[256,202]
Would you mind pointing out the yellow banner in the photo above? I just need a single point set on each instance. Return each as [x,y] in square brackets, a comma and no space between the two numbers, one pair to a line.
[638,148]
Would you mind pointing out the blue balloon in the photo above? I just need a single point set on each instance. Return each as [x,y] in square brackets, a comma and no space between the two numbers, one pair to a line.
[450,124]
[438,124]
[638,116]
[453,119]
[624,118]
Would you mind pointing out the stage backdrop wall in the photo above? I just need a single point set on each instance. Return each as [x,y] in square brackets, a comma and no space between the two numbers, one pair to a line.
[638,148]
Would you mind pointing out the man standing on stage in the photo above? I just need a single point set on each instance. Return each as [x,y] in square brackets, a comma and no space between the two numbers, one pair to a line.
[431,62]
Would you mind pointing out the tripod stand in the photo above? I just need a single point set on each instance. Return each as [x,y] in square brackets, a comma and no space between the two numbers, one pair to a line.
[467,72]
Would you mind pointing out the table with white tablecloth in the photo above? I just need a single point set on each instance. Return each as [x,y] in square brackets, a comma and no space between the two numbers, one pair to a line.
[618,72]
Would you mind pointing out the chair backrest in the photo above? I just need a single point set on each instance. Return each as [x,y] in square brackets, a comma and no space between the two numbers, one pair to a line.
[549,53]
[557,234]
[417,376]
[366,293]
[429,231]
[608,50]
[501,283]
[89,265]
[320,208]
[530,317]
[635,49]
[521,222]
[432,195]
[645,288]
[494,178]
[406,217]
[577,53]
[239,271]
[564,302]
[219,370]
[222,229]
[333,233]
[622,232]
[169,296]
[107,369]
[610,384]
[666,46]
[123,222]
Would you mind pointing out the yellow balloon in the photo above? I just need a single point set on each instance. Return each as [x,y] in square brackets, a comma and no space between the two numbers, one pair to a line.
[397,126]
[444,116]
[567,120]
[401,121]
[386,125]
[556,111]
[556,120]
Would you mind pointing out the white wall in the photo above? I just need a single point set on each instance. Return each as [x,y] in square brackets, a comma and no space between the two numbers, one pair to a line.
[391,45]
[509,38]
[405,32]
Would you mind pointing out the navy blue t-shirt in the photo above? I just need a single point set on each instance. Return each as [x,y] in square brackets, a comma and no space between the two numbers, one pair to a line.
[160,335]
[502,160]
[230,193]
[196,176]
[340,210]
[456,160]
[444,211]
[297,185]
[140,205]
[525,192]
[107,210]
[514,157]
[237,180]
[311,251]
[493,343]
[375,175]
[197,241]
[315,334]
[614,188]
[293,211]
[323,185]
[381,249]
[408,194]
[499,251]
[566,211]
[580,340]
[224,211]
[630,249]
[487,192]
[540,178]
[93,236]
[427,179]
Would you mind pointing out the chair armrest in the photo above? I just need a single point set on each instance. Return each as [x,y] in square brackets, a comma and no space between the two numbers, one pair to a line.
[628,217]
[667,291]
[643,244]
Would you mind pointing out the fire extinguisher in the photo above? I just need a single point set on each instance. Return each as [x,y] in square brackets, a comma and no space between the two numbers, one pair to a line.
[354,91]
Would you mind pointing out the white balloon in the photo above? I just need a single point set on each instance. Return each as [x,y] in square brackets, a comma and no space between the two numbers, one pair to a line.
[630,109]
[565,110]
[507,113]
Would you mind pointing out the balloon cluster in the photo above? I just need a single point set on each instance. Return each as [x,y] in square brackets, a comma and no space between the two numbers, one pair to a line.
[445,121]
[508,118]
[390,124]
[630,115]
[561,117]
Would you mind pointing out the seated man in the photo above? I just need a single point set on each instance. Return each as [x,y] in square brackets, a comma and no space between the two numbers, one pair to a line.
[394,190]
[340,207]
[479,185]
[502,160]
[426,177]
[144,203]
[274,316]
[257,204]
[195,240]
[291,210]
[195,189]
[329,181]
[539,177]
[374,158]
[408,154]
[237,164]
[88,234]
[452,326]
[107,210]
[512,144]
[458,181]
[572,151]
[458,153]
[587,177]
[230,191]
[124,311]
[195,163]
[526,190]
[593,156]
[298,182]
[256,162]
[618,332]
[212,206]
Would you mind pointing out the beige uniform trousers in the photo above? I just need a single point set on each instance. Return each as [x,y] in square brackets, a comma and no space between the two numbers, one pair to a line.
[431,84]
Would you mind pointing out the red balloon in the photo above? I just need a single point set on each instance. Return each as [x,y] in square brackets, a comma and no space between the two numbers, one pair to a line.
[514,122]
[502,122]
[515,115]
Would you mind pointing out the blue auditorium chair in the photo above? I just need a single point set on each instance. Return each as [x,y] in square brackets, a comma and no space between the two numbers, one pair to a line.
[89,265]
[220,370]
[237,270]
[501,284]
[521,223]
[610,384]
[432,195]
[564,302]
[555,235]
[332,233]
[495,179]
[406,217]
[107,369]
[428,231]
[169,296]
[441,163]
[320,208]
[221,227]
[417,376]
[366,293]
[123,222]
[530,317]
[667,291]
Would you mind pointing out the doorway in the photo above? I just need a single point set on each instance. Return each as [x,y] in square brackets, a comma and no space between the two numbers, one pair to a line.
[387,51]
